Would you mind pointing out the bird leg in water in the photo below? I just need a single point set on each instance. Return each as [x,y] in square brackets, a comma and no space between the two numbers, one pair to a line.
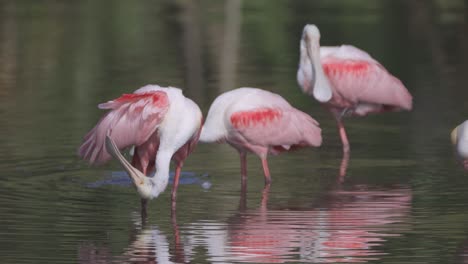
[243,199]
[243,160]
[343,167]
[344,137]
[176,184]
[265,193]
[266,171]
[144,214]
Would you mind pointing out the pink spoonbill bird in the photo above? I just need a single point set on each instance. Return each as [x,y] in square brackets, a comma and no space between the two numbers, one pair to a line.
[261,122]
[161,123]
[460,141]
[348,81]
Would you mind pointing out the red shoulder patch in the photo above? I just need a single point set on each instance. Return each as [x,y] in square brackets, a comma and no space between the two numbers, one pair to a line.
[254,117]
[159,98]
[347,66]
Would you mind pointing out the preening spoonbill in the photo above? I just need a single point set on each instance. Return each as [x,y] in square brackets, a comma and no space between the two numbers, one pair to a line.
[261,122]
[161,123]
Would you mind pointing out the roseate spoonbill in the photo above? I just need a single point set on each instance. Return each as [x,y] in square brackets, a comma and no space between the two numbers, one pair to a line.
[347,80]
[459,137]
[161,123]
[258,121]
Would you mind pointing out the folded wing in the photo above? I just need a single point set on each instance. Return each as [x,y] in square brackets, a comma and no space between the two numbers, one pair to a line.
[131,120]
[277,129]
[361,79]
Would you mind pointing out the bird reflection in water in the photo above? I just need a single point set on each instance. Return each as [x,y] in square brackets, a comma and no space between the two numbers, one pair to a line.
[349,226]
[148,244]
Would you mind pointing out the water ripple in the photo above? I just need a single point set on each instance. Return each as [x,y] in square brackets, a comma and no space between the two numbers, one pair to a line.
[352,227]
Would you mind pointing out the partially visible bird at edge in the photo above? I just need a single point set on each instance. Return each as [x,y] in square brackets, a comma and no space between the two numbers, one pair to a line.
[459,137]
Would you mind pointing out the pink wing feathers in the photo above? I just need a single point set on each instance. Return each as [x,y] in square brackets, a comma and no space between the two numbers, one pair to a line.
[132,119]
[277,128]
[357,78]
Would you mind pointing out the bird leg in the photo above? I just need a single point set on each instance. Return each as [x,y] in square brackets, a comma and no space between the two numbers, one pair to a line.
[343,167]
[243,199]
[265,193]
[346,112]
[266,171]
[176,184]
[344,138]
[137,162]
[243,160]
[144,213]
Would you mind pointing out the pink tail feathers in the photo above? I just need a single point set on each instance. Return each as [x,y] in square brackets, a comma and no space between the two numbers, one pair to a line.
[404,98]
[310,129]
[407,100]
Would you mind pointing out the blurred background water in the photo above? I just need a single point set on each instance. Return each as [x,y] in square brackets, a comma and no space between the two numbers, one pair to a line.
[404,198]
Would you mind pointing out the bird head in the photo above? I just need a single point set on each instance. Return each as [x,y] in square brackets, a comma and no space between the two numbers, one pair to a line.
[310,75]
[454,135]
[306,72]
[310,36]
[311,31]
[459,138]
[147,187]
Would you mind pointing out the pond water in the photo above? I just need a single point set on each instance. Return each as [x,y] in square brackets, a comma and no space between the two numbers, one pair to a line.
[404,198]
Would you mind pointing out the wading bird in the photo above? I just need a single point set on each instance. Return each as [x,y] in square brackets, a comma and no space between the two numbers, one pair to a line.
[460,141]
[348,81]
[261,122]
[161,123]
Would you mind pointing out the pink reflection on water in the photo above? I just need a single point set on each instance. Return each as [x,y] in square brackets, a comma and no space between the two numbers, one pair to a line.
[349,228]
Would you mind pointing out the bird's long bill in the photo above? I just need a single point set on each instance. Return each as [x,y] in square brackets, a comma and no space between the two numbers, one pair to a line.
[320,87]
[308,53]
[134,173]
